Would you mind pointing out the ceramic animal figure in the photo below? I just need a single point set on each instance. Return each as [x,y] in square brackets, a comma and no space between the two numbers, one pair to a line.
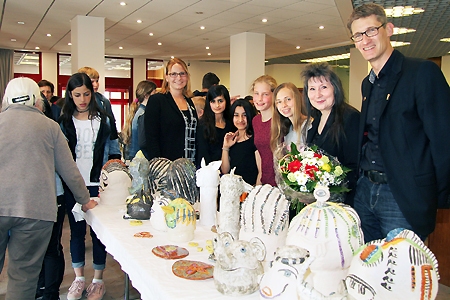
[139,206]
[287,268]
[231,188]
[157,171]
[397,267]
[115,180]
[265,214]
[139,171]
[208,182]
[180,219]
[331,233]
[158,219]
[180,177]
[238,265]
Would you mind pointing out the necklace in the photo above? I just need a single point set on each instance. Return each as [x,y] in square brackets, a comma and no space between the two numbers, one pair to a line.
[190,125]
[83,111]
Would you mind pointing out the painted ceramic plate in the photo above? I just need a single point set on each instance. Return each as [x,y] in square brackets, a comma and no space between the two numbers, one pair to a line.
[170,252]
[193,270]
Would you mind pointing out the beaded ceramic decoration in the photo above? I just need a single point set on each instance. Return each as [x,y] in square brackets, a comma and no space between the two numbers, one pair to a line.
[397,267]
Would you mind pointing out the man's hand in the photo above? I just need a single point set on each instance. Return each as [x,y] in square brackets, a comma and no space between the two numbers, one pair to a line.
[90,205]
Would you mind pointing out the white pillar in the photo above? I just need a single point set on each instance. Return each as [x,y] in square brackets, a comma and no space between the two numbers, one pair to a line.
[359,68]
[88,45]
[49,68]
[445,67]
[247,55]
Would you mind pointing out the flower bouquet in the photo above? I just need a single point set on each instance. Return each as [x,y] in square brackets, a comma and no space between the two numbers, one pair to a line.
[298,172]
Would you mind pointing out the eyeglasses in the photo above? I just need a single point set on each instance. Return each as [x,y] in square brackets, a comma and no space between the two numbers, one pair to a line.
[175,74]
[370,32]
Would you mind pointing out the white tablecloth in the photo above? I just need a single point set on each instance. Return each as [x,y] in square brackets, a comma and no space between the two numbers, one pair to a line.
[150,275]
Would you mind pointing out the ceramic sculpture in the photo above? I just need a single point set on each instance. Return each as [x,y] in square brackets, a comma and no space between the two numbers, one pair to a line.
[180,219]
[180,177]
[238,265]
[331,233]
[157,175]
[208,182]
[139,206]
[139,168]
[114,183]
[397,267]
[158,219]
[265,214]
[231,188]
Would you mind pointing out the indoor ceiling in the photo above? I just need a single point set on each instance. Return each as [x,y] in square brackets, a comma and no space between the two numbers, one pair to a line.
[176,24]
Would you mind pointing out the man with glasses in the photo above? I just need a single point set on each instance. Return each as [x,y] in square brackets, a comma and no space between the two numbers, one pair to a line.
[404,133]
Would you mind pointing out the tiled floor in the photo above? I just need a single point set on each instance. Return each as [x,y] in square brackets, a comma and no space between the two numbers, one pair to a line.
[114,277]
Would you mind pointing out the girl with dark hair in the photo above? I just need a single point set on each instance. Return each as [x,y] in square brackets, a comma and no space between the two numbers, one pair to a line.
[214,124]
[88,131]
[239,150]
[335,125]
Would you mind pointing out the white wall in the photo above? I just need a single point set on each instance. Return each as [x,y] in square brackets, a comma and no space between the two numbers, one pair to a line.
[445,67]
[197,69]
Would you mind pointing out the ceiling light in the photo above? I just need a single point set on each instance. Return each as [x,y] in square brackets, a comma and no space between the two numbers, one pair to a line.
[159,44]
[172,57]
[70,44]
[120,47]
[139,21]
[209,54]
[266,61]
[13,40]
[123,3]
[264,20]
[321,27]
[207,48]
[49,34]
[327,58]
[202,27]
[150,34]
[298,47]
[445,40]
[399,44]
[21,23]
[402,30]
[37,48]
[402,11]
[107,40]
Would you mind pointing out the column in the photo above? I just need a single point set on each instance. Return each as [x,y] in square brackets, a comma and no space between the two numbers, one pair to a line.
[88,45]
[359,69]
[247,55]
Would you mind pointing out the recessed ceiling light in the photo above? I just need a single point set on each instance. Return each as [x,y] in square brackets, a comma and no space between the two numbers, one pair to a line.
[70,44]
[402,11]
[445,40]
[209,54]
[172,56]
[107,40]
[264,20]
[402,30]
[327,58]
[123,3]
[139,21]
[150,34]
[49,34]
[266,61]
[399,44]
[298,47]
[207,47]
[21,23]
[321,27]
[159,44]
[13,40]
[120,47]
[202,27]
[37,48]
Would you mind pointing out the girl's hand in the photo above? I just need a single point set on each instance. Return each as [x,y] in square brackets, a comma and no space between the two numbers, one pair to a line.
[230,139]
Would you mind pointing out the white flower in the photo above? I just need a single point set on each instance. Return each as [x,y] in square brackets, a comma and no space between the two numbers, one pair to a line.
[308,154]
[301,178]
[291,177]
[303,189]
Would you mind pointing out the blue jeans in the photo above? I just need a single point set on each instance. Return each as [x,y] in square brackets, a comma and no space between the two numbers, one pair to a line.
[378,210]
[78,234]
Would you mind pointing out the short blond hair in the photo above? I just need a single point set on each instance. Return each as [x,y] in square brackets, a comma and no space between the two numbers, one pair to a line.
[91,72]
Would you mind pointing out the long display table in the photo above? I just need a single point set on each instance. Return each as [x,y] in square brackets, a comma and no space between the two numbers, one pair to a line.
[150,275]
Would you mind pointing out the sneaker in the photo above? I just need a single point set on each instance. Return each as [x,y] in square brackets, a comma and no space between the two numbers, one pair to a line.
[96,291]
[76,290]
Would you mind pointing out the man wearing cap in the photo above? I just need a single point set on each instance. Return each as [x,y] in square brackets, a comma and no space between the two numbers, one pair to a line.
[32,148]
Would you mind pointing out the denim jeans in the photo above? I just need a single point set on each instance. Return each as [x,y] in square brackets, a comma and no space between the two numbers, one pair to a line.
[78,234]
[378,210]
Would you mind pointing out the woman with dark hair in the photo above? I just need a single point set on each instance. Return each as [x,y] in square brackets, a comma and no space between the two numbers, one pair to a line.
[170,117]
[239,150]
[214,124]
[335,125]
[88,131]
